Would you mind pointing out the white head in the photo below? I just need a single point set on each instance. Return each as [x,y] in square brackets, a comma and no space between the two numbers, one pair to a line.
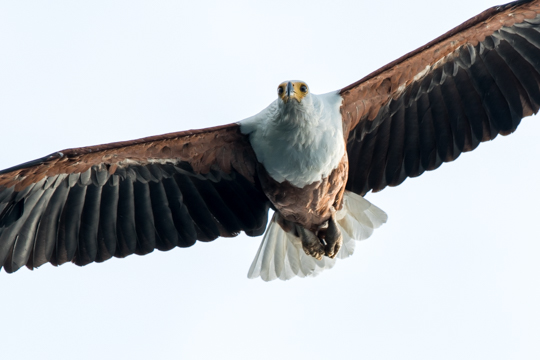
[295,102]
[293,91]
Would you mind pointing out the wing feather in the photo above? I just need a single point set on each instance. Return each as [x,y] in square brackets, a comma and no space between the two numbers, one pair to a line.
[88,231]
[108,219]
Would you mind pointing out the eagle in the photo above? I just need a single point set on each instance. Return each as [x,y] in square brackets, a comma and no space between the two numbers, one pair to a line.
[310,158]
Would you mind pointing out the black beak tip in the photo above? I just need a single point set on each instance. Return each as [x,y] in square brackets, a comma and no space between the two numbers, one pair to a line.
[289,88]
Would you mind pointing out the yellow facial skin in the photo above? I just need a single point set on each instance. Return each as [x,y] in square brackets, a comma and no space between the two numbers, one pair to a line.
[289,90]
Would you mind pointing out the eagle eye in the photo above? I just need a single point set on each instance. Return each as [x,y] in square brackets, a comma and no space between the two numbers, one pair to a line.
[303,88]
[280,90]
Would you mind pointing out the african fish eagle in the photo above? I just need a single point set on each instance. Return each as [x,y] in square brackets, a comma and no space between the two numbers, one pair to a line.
[311,158]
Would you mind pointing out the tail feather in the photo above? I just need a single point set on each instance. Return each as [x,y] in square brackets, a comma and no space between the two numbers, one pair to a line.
[347,247]
[281,255]
[268,269]
[292,263]
[255,268]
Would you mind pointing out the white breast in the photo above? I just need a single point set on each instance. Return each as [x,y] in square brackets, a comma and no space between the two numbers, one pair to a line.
[300,144]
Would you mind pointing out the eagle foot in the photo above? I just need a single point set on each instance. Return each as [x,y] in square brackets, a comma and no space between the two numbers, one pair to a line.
[311,244]
[333,239]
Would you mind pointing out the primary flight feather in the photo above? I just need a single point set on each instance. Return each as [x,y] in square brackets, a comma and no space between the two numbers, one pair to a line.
[309,157]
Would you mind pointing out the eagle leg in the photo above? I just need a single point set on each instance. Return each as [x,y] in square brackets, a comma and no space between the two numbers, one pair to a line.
[332,238]
[311,244]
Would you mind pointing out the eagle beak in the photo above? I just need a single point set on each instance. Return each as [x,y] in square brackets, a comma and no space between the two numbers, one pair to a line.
[289,90]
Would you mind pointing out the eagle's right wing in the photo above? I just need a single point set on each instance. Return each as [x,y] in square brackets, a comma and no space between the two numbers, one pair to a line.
[89,204]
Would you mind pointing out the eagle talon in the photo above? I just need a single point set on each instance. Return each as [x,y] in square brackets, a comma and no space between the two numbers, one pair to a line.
[333,238]
[311,244]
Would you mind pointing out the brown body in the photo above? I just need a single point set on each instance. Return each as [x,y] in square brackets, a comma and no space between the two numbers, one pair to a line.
[311,206]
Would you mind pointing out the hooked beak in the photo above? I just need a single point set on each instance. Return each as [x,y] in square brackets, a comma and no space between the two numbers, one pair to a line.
[289,90]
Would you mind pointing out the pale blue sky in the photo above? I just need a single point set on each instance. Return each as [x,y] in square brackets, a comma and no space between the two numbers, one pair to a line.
[454,274]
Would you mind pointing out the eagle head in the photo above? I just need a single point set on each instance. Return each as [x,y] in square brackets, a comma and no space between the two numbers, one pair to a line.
[292,90]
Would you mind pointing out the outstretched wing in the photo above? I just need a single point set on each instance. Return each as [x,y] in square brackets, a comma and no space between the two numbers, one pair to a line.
[465,87]
[89,204]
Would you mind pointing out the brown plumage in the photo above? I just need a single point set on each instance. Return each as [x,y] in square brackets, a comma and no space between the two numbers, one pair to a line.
[221,147]
[89,204]
[311,205]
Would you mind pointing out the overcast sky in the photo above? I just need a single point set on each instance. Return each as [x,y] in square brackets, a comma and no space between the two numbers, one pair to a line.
[454,274]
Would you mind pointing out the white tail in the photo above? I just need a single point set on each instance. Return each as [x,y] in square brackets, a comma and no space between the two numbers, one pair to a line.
[281,255]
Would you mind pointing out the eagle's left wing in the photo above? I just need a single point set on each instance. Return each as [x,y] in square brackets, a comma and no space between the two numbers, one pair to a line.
[465,87]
